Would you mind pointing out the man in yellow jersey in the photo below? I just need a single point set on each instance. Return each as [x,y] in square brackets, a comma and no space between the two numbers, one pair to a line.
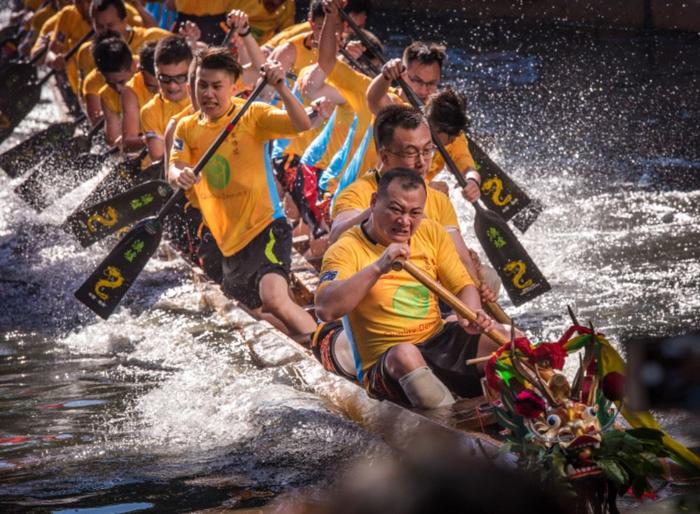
[118,67]
[421,68]
[36,22]
[110,15]
[402,349]
[403,138]
[267,17]
[358,10]
[300,51]
[172,62]
[137,93]
[236,191]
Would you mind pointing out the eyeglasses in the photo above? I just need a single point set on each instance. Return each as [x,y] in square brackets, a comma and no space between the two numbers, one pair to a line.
[413,153]
[419,82]
[167,79]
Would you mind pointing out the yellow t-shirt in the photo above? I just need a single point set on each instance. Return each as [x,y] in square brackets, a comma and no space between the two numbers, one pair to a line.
[38,19]
[398,308]
[265,24]
[288,33]
[353,86]
[459,151]
[70,27]
[46,31]
[138,86]
[237,193]
[305,56]
[136,38]
[201,8]
[357,196]
[110,99]
[156,114]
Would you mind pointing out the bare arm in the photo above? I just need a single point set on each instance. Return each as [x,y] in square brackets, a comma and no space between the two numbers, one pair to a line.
[313,86]
[93,106]
[131,121]
[156,147]
[295,110]
[239,19]
[328,43]
[345,220]
[339,298]
[377,96]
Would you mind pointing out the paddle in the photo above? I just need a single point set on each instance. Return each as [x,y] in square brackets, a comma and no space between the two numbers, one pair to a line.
[521,278]
[108,284]
[20,91]
[96,222]
[499,191]
[61,169]
[446,296]
[32,150]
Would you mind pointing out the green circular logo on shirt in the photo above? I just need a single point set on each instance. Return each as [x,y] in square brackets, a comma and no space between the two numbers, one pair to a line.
[411,301]
[217,172]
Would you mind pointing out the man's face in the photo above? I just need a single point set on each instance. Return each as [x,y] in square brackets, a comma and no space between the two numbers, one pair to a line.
[424,79]
[172,79]
[117,80]
[108,20]
[397,215]
[83,7]
[214,89]
[409,148]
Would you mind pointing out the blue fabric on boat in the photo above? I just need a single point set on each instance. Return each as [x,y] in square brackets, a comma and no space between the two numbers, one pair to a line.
[353,168]
[319,145]
[164,17]
[335,167]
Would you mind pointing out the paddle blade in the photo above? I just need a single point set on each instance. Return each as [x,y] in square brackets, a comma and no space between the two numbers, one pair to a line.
[105,218]
[32,150]
[19,93]
[104,289]
[521,278]
[498,191]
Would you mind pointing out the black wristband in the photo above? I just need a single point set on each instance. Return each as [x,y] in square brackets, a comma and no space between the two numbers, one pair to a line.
[244,34]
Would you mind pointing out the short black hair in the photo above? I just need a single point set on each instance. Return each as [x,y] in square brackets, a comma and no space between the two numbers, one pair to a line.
[316,10]
[447,112]
[408,178]
[112,55]
[392,117]
[147,60]
[102,5]
[173,49]
[219,58]
[358,6]
[425,53]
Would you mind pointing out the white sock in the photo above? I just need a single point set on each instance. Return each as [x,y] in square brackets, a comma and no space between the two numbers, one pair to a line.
[424,390]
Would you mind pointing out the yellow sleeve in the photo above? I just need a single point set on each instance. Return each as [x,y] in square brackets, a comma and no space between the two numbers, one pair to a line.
[133,17]
[270,122]
[150,119]
[181,150]
[111,99]
[339,262]
[93,83]
[451,272]
[47,28]
[352,85]
[288,20]
[447,215]
[459,151]
[353,197]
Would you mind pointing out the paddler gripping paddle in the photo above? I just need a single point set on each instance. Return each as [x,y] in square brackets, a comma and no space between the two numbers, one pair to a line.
[520,276]
[499,192]
[20,91]
[108,284]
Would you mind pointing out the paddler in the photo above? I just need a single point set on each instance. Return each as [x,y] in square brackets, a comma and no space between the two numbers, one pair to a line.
[137,93]
[173,56]
[113,15]
[402,349]
[421,68]
[236,191]
[118,67]
[403,139]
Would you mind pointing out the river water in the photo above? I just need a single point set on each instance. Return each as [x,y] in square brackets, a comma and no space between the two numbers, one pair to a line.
[163,408]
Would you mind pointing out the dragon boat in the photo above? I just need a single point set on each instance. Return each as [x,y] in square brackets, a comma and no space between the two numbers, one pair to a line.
[530,415]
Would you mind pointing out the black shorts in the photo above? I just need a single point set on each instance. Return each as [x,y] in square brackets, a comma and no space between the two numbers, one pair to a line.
[446,354]
[269,252]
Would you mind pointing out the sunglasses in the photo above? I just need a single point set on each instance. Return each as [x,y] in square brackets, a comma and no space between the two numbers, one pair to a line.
[167,79]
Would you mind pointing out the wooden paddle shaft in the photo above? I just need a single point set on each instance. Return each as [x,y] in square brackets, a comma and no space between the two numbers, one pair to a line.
[446,296]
